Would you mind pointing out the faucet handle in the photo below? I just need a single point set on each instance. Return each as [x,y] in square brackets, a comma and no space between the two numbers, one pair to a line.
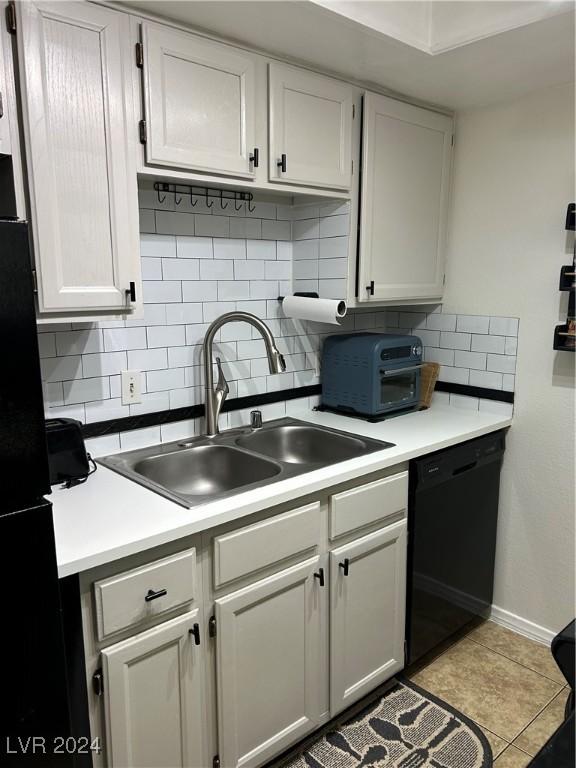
[222,385]
[256,419]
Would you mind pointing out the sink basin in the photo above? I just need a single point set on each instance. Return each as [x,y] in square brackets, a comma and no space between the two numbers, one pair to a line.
[205,470]
[301,444]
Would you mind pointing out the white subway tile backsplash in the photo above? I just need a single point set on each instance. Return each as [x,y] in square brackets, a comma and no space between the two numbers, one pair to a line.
[154,314]
[508,382]
[61,368]
[101,446]
[151,268]
[277,270]
[306,250]
[502,363]
[182,314]
[147,220]
[262,210]
[228,248]
[476,360]
[306,229]
[261,249]
[151,403]
[441,322]
[180,357]
[161,291]
[249,270]
[276,230]
[77,342]
[105,410]
[147,359]
[84,390]
[195,291]
[428,338]
[436,355]
[264,289]
[178,430]
[488,343]
[486,379]
[246,228]
[103,364]
[472,323]
[166,336]
[453,340]
[284,250]
[332,289]
[216,270]
[511,345]
[212,226]
[454,375]
[182,269]
[158,246]
[306,269]
[213,309]
[504,326]
[464,402]
[335,226]
[334,248]
[339,207]
[119,339]
[333,268]
[139,438]
[194,248]
[174,223]
[230,290]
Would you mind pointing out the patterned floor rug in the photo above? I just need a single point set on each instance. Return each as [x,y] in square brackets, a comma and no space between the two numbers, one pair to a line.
[405,728]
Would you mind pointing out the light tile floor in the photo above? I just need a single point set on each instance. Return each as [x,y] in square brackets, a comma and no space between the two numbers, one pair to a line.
[509,685]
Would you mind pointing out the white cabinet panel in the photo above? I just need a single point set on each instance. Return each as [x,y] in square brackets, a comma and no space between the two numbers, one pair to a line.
[368,504]
[81,165]
[199,103]
[154,708]
[311,125]
[269,664]
[367,614]
[404,199]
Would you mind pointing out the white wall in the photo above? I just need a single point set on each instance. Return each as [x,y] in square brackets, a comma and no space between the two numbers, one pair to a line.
[514,175]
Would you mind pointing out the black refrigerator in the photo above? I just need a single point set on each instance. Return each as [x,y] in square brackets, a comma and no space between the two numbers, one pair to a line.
[34,709]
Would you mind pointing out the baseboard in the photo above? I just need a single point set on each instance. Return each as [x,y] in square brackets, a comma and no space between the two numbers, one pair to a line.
[522,626]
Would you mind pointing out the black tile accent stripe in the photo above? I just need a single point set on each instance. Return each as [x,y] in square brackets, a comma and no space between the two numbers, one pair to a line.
[466,389]
[101,428]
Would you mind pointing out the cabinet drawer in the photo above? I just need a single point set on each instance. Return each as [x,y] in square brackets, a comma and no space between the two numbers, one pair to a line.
[368,504]
[257,546]
[128,598]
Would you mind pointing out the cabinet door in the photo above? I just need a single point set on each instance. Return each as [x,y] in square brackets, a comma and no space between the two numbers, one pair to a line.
[405,183]
[199,103]
[81,165]
[270,675]
[153,689]
[311,125]
[367,613]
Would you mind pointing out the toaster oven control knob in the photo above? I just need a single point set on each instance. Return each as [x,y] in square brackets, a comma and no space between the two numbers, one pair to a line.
[417,350]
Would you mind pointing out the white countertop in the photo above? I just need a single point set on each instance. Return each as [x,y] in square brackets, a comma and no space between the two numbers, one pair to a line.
[110,517]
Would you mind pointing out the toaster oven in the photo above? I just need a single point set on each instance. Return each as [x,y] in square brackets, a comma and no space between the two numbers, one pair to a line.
[371,374]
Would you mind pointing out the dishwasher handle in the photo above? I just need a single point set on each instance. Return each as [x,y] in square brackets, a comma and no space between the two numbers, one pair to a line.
[464,468]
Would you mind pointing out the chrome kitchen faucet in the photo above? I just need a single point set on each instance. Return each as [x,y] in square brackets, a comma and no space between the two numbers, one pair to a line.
[215,397]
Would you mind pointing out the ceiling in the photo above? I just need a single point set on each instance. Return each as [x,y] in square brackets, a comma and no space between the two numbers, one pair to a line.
[431,54]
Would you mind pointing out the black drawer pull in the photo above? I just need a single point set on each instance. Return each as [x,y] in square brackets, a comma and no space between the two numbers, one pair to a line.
[195,632]
[345,565]
[131,292]
[320,576]
[255,157]
[151,595]
[282,163]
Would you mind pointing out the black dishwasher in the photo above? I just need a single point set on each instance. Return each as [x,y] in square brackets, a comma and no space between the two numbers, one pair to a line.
[452,521]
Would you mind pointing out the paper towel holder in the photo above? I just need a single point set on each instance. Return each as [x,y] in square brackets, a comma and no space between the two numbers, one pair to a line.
[305,294]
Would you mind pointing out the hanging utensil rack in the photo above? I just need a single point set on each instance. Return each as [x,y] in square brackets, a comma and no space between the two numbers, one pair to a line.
[194,191]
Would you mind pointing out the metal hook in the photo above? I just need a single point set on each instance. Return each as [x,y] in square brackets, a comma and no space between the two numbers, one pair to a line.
[177,202]
[192,201]
[251,209]
[236,206]
[221,203]
[208,205]
[160,200]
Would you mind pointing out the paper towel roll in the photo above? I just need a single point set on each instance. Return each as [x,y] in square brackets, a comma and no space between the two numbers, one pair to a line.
[320,310]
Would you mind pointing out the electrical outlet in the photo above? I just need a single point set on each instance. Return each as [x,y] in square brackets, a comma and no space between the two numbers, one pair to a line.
[131,387]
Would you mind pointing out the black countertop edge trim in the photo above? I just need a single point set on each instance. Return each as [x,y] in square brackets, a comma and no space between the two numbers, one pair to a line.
[102,428]
[469,391]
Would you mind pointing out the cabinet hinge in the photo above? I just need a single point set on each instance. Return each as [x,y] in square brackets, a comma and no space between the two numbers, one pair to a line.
[11,18]
[212,626]
[139,55]
[353,111]
[98,682]
[216,761]
[35,281]
[143,132]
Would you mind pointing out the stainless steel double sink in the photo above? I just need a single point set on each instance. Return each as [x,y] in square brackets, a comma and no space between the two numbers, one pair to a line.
[203,469]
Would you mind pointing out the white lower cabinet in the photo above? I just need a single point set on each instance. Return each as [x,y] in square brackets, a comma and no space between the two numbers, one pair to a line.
[269,672]
[154,703]
[367,612]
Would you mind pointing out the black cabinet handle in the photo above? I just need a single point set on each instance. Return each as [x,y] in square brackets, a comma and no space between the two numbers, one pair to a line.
[282,163]
[370,288]
[320,576]
[195,632]
[255,157]
[131,292]
[345,565]
[151,595]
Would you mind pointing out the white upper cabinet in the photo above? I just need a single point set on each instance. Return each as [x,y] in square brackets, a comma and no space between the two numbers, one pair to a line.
[73,58]
[404,201]
[367,613]
[310,128]
[199,101]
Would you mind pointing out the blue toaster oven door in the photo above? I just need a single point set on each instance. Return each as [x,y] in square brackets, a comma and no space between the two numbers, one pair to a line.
[399,388]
